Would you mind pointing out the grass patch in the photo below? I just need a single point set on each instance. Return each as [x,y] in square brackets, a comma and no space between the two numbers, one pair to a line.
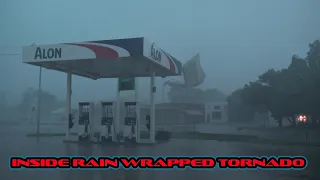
[211,136]
[48,134]
[239,138]
[207,136]
[9,123]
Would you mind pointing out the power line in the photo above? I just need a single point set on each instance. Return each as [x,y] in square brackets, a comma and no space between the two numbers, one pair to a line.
[11,47]
[9,54]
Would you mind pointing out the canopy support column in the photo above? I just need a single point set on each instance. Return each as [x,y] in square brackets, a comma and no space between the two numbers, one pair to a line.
[138,120]
[117,118]
[152,109]
[68,110]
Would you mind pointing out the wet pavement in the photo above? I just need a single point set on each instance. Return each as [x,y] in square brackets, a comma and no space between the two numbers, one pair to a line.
[15,143]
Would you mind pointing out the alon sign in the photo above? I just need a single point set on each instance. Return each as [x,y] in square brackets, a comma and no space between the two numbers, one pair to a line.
[49,53]
[155,53]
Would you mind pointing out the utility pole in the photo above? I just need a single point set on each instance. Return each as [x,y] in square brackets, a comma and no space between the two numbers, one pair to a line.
[39,99]
[39,90]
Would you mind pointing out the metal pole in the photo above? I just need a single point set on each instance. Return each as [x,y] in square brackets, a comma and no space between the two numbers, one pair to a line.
[136,95]
[68,110]
[162,109]
[306,131]
[39,102]
[152,109]
[118,113]
[163,91]
[137,128]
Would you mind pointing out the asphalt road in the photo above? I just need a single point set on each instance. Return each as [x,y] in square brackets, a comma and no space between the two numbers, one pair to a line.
[15,143]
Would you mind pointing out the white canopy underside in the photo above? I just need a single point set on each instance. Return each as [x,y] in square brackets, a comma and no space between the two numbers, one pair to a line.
[107,68]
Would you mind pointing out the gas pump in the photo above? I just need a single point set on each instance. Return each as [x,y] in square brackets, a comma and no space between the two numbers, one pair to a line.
[108,132]
[85,119]
[130,122]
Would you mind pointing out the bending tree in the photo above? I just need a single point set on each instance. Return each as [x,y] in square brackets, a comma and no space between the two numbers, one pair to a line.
[288,92]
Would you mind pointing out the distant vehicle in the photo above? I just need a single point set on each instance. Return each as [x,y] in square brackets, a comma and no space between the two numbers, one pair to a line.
[302,119]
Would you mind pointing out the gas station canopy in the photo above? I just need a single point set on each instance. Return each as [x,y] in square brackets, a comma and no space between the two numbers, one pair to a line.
[134,57]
